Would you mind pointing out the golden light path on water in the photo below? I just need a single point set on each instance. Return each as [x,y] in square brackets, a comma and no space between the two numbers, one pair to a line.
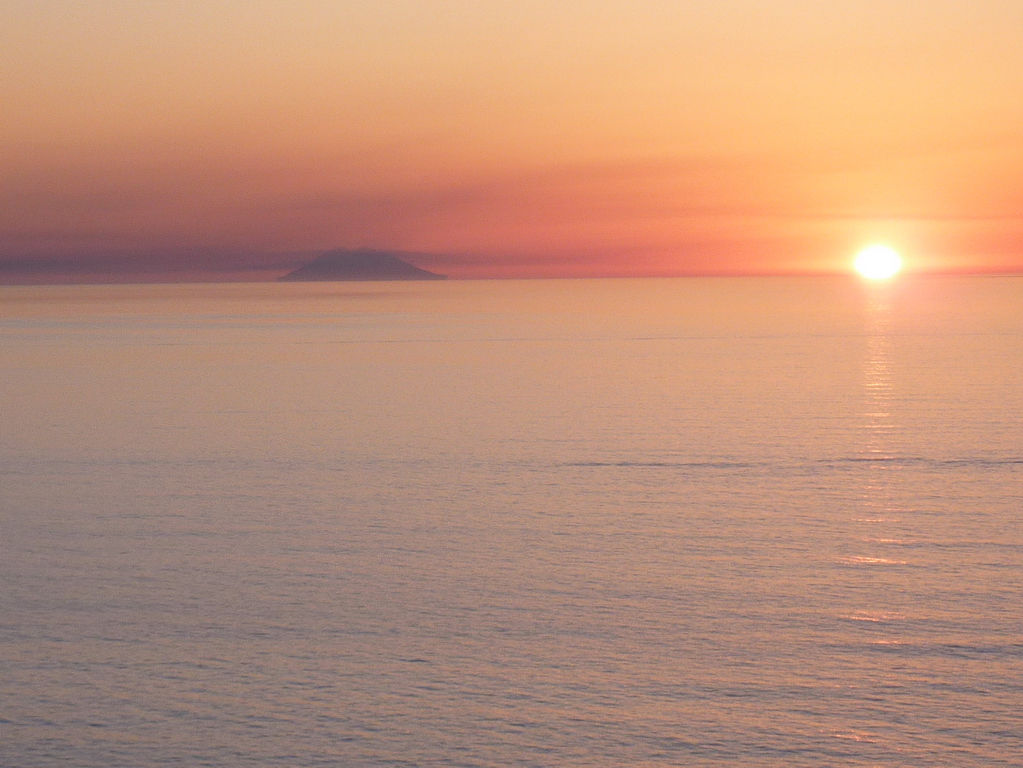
[878,446]
[884,530]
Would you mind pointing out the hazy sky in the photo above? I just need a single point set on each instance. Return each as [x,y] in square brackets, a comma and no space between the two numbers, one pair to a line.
[522,138]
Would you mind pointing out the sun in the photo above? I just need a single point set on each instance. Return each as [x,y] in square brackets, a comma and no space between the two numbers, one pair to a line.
[878,262]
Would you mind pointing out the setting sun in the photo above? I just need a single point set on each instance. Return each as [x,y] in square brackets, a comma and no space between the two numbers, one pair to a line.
[878,262]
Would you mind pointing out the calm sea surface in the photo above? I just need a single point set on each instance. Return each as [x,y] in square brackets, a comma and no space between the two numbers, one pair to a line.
[697,522]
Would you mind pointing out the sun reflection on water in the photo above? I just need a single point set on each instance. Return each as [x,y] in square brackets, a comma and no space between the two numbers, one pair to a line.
[878,517]
[877,378]
[878,425]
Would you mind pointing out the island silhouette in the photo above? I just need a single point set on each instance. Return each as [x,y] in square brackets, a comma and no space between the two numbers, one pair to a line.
[359,264]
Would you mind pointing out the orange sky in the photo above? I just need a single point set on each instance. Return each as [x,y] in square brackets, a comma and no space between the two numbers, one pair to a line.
[518,138]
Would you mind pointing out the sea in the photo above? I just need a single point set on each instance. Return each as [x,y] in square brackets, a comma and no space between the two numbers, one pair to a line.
[622,522]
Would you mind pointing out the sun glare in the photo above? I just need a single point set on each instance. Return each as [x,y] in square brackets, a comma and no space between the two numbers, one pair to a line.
[878,262]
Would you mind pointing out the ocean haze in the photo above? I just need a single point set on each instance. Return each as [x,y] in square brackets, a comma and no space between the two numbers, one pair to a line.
[720,521]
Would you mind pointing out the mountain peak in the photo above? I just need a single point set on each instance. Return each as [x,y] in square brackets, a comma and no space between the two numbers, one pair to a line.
[360,264]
